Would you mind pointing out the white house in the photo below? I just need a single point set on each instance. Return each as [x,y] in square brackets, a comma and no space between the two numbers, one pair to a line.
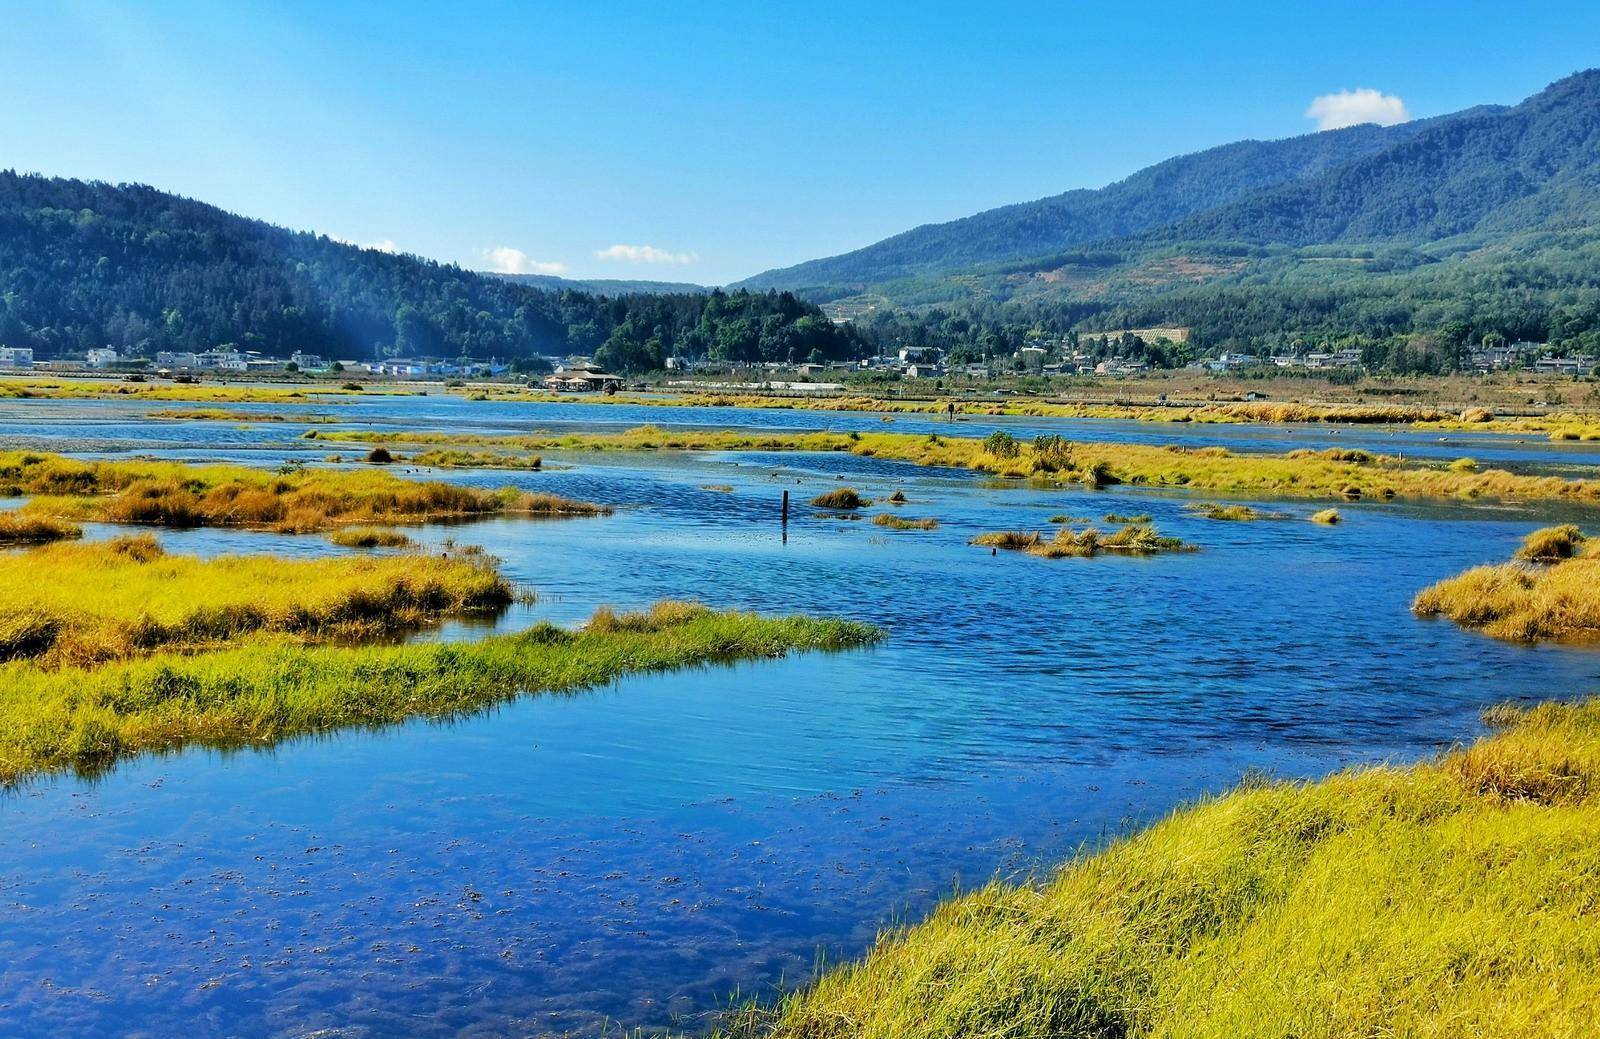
[16,357]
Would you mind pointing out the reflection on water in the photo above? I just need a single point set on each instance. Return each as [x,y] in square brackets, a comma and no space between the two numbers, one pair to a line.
[639,853]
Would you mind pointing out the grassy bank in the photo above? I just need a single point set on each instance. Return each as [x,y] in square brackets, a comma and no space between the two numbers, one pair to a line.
[1550,590]
[1556,425]
[1454,898]
[87,718]
[40,388]
[178,495]
[85,603]
[1330,474]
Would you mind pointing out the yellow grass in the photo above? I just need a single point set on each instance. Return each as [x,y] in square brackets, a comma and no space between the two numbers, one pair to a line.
[1328,517]
[1526,600]
[90,602]
[1333,473]
[19,527]
[174,494]
[35,387]
[1453,898]
[893,522]
[370,537]
[1133,539]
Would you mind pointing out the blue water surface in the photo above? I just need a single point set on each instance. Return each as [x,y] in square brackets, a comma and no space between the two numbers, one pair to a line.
[638,855]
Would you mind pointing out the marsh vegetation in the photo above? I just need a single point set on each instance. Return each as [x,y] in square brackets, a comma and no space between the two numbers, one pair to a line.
[1133,539]
[1551,590]
[86,718]
[1334,473]
[98,601]
[172,494]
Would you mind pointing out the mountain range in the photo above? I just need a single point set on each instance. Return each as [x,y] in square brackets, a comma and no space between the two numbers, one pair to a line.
[1493,184]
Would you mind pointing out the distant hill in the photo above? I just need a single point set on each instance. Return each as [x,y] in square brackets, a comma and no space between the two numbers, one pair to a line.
[602,286]
[1485,175]
[1152,197]
[87,264]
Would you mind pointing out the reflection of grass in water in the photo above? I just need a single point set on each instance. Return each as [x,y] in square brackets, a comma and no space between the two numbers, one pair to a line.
[1449,898]
[178,495]
[84,603]
[1052,461]
[88,718]
[1550,591]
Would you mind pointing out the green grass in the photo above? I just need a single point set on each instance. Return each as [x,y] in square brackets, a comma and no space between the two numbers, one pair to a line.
[86,719]
[86,603]
[177,495]
[1453,898]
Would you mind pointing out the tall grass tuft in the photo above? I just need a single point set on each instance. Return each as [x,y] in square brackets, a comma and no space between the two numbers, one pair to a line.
[370,537]
[24,527]
[1327,517]
[843,498]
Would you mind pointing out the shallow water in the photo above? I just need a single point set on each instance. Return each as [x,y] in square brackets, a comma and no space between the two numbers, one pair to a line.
[639,854]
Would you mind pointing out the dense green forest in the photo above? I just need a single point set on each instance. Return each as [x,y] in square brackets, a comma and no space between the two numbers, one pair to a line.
[89,264]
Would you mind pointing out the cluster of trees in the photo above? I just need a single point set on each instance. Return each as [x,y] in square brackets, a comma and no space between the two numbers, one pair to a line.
[87,265]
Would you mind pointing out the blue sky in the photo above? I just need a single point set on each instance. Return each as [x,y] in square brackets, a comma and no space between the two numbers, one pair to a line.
[706,142]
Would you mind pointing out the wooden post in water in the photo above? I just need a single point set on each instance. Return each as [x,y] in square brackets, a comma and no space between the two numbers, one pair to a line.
[786,508]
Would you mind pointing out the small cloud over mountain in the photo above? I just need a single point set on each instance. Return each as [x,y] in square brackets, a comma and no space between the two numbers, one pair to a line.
[643,254]
[505,260]
[1354,107]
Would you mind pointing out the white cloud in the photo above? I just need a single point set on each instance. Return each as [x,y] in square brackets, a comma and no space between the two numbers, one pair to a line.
[643,254]
[505,260]
[1353,107]
[387,245]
